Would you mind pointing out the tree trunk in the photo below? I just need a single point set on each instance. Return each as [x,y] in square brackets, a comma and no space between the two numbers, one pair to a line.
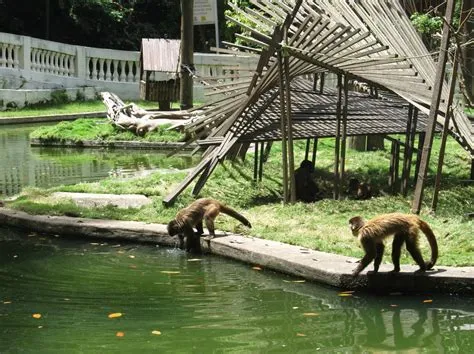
[358,142]
[375,142]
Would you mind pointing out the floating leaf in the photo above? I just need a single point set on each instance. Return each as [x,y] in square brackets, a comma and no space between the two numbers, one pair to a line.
[115,315]
[194,260]
[300,335]
[256,268]
[393,305]
[156,333]
[169,272]
[133,266]
[36,315]
[131,256]
[7,302]
[427,301]
[120,334]
[309,314]
[295,307]
[344,294]
[347,292]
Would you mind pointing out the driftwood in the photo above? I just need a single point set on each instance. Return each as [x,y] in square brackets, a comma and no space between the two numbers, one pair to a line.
[140,121]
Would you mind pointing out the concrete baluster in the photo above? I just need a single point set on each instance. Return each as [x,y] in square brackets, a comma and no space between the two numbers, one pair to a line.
[10,56]
[3,54]
[25,54]
[16,56]
[101,69]
[130,75]
[123,76]
[108,70]
[95,71]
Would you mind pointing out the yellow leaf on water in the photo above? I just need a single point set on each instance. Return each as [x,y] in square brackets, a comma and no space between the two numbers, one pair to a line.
[427,301]
[347,292]
[194,260]
[36,315]
[131,256]
[7,302]
[300,335]
[156,332]
[115,315]
[393,305]
[169,272]
[256,268]
[344,295]
[120,334]
[310,314]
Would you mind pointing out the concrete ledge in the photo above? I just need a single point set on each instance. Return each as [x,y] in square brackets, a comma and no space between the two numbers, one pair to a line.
[51,118]
[312,265]
[118,144]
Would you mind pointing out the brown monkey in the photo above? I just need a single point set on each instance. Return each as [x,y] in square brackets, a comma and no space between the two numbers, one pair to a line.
[404,227]
[359,190]
[193,215]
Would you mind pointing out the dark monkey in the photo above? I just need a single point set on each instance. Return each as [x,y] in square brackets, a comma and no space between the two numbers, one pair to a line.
[193,215]
[404,227]
[359,190]
[306,188]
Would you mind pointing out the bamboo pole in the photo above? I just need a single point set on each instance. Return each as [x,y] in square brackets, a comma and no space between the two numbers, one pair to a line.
[337,137]
[406,151]
[435,101]
[344,128]
[283,128]
[449,112]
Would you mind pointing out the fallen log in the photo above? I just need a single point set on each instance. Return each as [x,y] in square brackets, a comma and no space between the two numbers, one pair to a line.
[133,118]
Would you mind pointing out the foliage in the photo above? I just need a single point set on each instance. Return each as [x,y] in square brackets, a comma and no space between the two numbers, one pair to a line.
[99,130]
[321,225]
[426,23]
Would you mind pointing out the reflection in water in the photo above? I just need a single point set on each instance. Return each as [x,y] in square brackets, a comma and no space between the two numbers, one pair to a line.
[203,305]
[22,165]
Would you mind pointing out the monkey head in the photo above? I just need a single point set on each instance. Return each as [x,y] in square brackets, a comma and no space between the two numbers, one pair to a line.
[356,223]
[173,228]
[307,165]
[364,191]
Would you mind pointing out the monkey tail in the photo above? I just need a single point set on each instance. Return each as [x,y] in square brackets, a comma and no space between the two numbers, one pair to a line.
[231,212]
[432,241]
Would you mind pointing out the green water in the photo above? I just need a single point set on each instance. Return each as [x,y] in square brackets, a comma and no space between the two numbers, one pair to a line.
[200,305]
[22,165]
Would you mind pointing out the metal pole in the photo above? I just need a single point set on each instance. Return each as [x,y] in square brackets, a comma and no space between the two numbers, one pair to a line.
[186,54]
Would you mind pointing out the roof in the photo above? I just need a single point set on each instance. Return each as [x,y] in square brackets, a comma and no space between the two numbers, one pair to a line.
[159,54]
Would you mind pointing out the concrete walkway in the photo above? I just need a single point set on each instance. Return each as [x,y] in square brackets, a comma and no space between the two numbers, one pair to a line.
[312,265]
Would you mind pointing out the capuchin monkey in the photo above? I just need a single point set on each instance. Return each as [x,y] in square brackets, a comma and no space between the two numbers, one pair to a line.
[404,227]
[204,209]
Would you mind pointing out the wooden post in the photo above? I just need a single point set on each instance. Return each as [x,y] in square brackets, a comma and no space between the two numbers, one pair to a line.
[421,142]
[344,129]
[337,138]
[262,157]
[283,128]
[435,100]
[186,55]
[255,162]
[449,112]
[306,153]
[396,165]
[315,149]
[291,156]
[406,152]
[391,170]
[321,83]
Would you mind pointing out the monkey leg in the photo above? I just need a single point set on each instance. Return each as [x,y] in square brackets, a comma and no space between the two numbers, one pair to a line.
[398,241]
[193,244]
[209,218]
[415,252]
[181,241]
[379,249]
[199,228]
[370,253]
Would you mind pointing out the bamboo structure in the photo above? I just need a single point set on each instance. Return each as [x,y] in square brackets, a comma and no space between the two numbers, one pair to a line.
[370,41]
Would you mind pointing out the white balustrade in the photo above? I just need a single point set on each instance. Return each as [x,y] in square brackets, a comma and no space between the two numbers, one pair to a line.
[74,66]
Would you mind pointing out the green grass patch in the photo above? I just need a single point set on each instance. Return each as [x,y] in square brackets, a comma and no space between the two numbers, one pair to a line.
[100,129]
[322,225]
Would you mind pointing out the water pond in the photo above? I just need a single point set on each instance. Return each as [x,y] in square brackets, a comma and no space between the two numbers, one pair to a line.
[68,296]
[22,165]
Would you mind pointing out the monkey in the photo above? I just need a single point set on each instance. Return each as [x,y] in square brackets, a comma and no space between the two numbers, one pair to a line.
[306,188]
[359,190]
[206,209]
[404,227]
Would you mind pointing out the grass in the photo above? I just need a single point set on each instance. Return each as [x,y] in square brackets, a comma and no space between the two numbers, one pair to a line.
[321,225]
[69,108]
[100,129]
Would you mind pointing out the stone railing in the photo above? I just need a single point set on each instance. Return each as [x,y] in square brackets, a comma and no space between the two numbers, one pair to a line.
[28,63]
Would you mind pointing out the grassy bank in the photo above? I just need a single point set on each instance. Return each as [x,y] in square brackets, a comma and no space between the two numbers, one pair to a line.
[321,225]
[100,129]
